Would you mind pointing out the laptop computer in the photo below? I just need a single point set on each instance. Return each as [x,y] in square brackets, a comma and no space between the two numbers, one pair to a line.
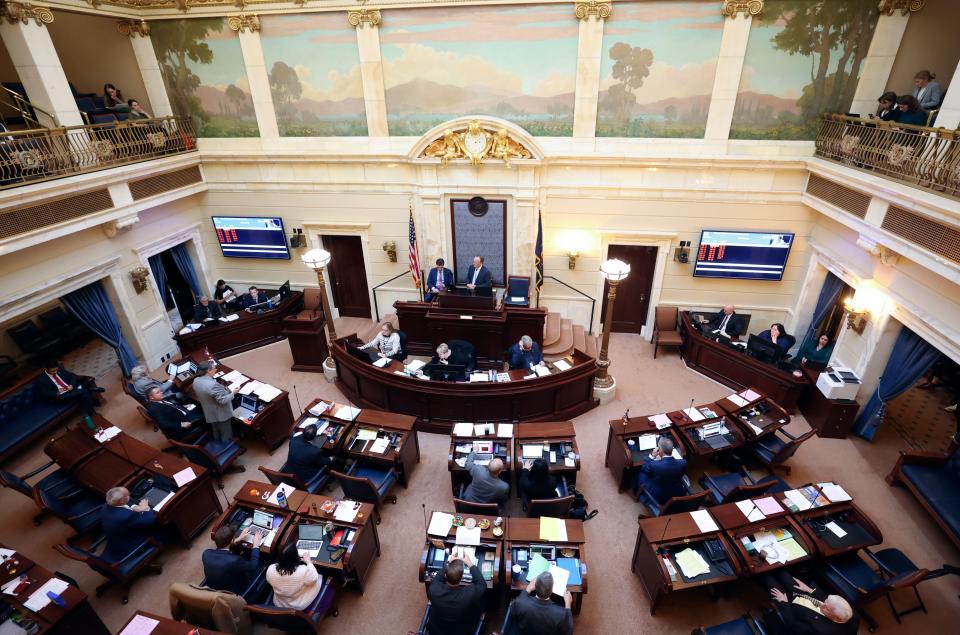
[716,442]
[262,523]
[247,407]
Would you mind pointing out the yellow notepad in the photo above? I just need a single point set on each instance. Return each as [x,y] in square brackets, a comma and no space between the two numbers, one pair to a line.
[793,549]
[553,529]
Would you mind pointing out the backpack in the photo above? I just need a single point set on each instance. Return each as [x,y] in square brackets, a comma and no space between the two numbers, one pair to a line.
[578,509]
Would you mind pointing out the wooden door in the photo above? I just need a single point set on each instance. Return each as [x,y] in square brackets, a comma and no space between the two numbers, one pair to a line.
[633,294]
[347,275]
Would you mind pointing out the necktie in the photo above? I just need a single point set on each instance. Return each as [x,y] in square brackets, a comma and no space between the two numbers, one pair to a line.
[61,385]
[440,284]
[723,324]
[173,405]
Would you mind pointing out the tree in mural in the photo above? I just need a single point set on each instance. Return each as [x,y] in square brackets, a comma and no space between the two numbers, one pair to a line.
[184,40]
[237,97]
[285,86]
[631,65]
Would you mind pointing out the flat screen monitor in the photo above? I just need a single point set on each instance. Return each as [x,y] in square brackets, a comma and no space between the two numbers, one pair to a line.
[446,372]
[251,237]
[764,350]
[743,255]
[360,354]
[284,291]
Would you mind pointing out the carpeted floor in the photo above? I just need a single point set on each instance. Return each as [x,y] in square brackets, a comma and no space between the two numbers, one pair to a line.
[919,418]
[615,602]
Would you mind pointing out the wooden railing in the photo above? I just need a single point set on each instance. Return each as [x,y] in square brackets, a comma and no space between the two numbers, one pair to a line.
[925,157]
[29,156]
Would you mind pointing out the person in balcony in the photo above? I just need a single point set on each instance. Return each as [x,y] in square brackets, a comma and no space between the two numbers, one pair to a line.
[887,109]
[137,111]
[113,99]
[910,112]
[926,90]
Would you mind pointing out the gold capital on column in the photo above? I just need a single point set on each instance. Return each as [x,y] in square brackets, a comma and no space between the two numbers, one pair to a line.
[243,22]
[732,8]
[133,28]
[601,10]
[889,7]
[363,17]
[24,12]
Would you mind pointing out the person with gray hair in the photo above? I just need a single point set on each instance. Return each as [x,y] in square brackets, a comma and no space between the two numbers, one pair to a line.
[205,311]
[216,401]
[125,527]
[534,613]
[486,486]
[661,476]
[524,354]
[143,383]
[806,609]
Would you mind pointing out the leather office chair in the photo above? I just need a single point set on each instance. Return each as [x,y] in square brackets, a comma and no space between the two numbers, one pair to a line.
[58,483]
[861,584]
[733,486]
[467,350]
[676,504]
[121,573]
[81,512]
[316,483]
[216,456]
[665,328]
[773,452]
[368,484]
[517,287]
[469,507]
[147,418]
[507,628]
[293,620]
[211,609]
[552,507]
[426,617]
[402,355]
[746,625]
[257,591]
[312,304]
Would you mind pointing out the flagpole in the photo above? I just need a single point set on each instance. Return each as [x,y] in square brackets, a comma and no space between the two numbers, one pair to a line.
[420,271]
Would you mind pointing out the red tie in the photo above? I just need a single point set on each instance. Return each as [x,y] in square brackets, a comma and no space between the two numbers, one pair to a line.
[61,385]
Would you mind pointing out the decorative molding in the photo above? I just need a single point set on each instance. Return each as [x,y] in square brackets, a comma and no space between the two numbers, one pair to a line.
[889,7]
[133,28]
[244,22]
[24,12]
[731,8]
[364,16]
[39,294]
[600,10]
[476,143]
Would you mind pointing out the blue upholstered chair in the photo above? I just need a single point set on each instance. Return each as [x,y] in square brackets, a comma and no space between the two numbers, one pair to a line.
[746,625]
[469,507]
[57,483]
[216,456]
[734,486]
[258,589]
[121,573]
[81,512]
[517,287]
[316,483]
[426,618]
[292,620]
[773,452]
[676,504]
[368,484]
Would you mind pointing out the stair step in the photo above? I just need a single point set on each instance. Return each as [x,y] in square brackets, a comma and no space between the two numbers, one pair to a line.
[551,330]
[564,344]
[592,347]
[579,339]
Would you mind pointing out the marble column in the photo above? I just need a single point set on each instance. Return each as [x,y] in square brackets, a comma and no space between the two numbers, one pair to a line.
[589,50]
[248,29]
[367,23]
[879,61]
[139,33]
[726,82]
[949,116]
[23,29]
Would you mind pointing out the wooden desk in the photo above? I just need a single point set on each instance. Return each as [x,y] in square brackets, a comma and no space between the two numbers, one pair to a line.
[489,553]
[559,436]
[659,539]
[502,449]
[76,617]
[736,369]
[690,430]
[249,331]
[125,460]
[250,498]
[624,459]
[437,404]
[167,626]
[861,530]
[333,428]
[762,413]
[491,330]
[403,451]
[363,550]
[523,532]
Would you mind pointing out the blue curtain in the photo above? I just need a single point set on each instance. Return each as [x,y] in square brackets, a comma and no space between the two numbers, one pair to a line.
[159,276]
[910,358]
[829,292]
[93,308]
[182,257]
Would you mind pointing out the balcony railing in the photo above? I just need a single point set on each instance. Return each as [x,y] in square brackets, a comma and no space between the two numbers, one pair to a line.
[29,156]
[925,157]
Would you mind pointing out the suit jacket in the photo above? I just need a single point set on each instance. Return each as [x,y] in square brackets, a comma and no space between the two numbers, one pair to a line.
[305,459]
[201,313]
[434,274]
[125,530]
[249,301]
[519,358]
[799,620]
[531,490]
[214,398]
[458,355]
[483,278]
[227,571]
[931,96]
[484,488]
[734,324]
[663,479]
[455,610]
[47,388]
[169,415]
[534,616]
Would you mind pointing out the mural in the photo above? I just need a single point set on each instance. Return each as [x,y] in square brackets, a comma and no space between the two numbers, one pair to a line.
[657,69]
[314,70]
[804,58]
[203,70]
[514,62]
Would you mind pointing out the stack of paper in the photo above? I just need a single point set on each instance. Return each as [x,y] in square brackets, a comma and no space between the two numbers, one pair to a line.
[553,529]
[478,377]
[757,431]
[542,371]
[380,446]
[382,362]
[560,577]
[440,524]
[505,430]
[691,563]
[646,442]
[107,434]
[750,510]
[538,564]
[38,599]
[769,505]
[267,393]
[184,476]
[834,492]
[750,395]
[319,409]
[163,502]
[462,429]
[468,536]
[365,434]
[140,625]
[502,377]
[230,318]
[530,376]
[704,521]
[415,365]
[792,549]
[308,421]
[798,499]
[694,414]
[561,365]
[237,385]
[250,386]
[347,413]
[737,400]
[661,421]
[346,510]
[568,462]
[233,376]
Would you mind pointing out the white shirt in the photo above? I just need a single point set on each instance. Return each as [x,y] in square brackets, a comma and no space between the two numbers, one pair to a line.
[387,345]
[476,272]
[723,324]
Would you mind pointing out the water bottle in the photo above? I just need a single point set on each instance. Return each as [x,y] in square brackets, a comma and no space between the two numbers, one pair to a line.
[281,498]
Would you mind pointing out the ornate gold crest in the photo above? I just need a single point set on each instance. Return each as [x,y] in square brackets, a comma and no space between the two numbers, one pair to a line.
[476,144]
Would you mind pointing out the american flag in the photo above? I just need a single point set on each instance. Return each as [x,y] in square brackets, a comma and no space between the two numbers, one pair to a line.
[414,253]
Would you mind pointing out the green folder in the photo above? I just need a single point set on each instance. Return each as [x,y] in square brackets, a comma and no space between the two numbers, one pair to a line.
[538,564]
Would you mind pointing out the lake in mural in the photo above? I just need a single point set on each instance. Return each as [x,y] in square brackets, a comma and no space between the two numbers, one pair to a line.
[203,70]
[518,63]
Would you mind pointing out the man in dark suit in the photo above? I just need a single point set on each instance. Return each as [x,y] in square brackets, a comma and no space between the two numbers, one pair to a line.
[439,279]
[225,568]
[537,614]
[59,385]
[125,527]
[304,458]
[726,322]
[253,297]
[454,608]
[175,421]
[206,310]
[661,476]
[479,279]
[806,610]
[524,354]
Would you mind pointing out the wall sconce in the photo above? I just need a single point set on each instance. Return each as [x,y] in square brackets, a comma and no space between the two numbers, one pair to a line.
[856,316]
[869,299]
[572,262]
[682,253]
[139,278]
[391,249]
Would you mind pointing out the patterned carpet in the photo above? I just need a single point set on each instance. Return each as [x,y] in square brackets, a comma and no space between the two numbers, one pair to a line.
[919,419]
[95,358]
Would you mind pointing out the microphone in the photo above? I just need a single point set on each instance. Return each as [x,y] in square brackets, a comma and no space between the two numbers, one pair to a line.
[686,416]
[297,397]
[425,523]
[664,533]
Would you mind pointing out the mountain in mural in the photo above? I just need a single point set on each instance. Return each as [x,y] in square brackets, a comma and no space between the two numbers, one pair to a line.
[218,101]
[701,104]
[423,95]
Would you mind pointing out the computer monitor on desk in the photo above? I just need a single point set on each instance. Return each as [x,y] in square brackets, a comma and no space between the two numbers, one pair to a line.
[446,372]
[763,350]
[284,291]
[360,354]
